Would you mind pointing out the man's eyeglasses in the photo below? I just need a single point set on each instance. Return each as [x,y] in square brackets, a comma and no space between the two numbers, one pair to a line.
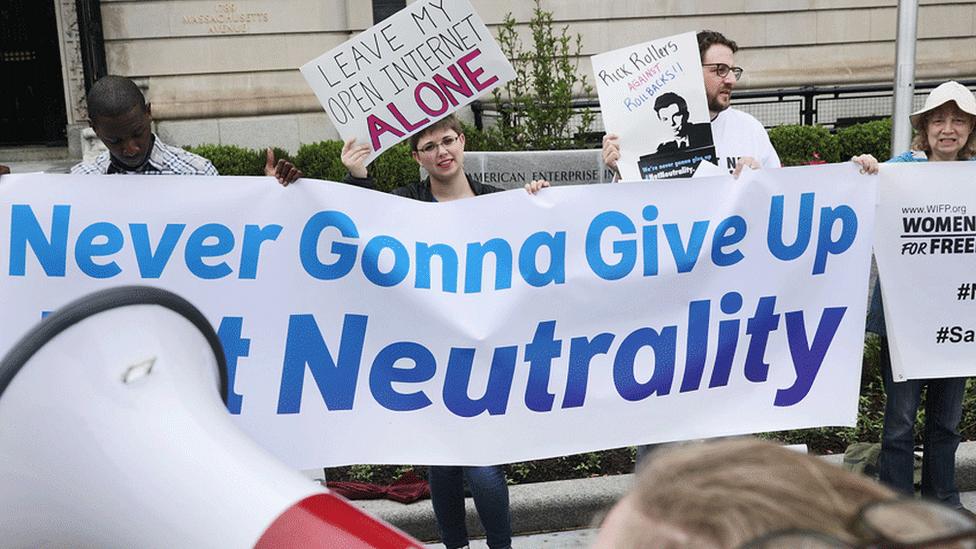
[891,524]
[432,146]
[722,70]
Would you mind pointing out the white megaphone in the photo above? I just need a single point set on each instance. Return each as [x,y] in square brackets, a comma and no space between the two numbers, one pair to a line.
[113,434]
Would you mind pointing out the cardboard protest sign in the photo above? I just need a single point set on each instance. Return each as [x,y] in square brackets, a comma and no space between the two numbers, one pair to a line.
[416,67]
[926,246]
[653,97]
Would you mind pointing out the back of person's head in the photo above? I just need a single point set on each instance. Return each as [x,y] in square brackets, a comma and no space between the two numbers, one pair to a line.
[449,122]
[726,493]
[670,98]
[113,96]
[708,38]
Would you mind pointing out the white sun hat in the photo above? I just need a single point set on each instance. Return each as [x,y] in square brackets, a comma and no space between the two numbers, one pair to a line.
[945,92]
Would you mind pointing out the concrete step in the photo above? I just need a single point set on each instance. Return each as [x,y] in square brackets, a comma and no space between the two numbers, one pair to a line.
[32,153]
[61,165]
[539,507]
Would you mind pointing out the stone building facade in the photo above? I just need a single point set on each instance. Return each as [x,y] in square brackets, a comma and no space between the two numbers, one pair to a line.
[226,71]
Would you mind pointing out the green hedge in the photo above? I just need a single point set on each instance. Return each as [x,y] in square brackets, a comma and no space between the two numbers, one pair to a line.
[870,137]
[321,160]
[482,140]
[394,168]
[234,160]
[796,145]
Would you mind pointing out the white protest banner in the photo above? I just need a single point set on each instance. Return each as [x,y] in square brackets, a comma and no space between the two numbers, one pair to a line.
[925,245]
[653,97]
[362,327]
[416,67]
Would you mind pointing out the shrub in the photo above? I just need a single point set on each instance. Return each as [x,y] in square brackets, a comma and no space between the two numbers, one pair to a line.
[362,473]
[395,167]
[871,138]
[489,139]
[536,105]
[321,160]
[799,145]
[234,160]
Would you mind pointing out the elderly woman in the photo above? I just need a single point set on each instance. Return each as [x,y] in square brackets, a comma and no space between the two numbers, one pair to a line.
[944,132]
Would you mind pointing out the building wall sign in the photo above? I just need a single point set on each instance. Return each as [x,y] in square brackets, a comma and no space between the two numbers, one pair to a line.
[227,18]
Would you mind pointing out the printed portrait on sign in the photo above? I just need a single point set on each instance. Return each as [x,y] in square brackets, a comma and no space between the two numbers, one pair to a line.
[687,142]
[672,111]
[652,96]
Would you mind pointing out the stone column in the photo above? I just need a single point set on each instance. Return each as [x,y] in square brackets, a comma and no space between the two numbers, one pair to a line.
[73,74]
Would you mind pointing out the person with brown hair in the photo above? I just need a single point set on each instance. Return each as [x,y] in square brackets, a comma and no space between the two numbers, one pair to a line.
[753,493]
[439,148]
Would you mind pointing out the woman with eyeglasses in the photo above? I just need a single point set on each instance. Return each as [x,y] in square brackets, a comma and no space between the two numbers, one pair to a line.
[750,493]
[439,148]
[944,133]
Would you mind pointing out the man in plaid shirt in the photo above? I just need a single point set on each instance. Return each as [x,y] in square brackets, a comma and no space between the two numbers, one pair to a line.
[122,119]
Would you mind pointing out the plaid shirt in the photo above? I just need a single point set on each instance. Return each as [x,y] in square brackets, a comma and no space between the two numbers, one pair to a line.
[163,160]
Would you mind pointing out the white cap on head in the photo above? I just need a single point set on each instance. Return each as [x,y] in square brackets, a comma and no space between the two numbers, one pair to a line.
[945,92]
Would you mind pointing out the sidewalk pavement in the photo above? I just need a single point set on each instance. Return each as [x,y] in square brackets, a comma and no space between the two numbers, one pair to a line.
[576,504]
[572,539]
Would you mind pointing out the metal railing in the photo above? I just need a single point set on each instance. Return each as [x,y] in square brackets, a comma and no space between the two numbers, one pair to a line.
[830,106]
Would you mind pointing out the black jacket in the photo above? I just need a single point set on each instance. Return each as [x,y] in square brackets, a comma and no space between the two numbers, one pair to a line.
[699,135]
[420,190]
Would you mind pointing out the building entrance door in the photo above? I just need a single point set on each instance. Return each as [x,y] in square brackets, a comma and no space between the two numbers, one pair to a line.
[32,109]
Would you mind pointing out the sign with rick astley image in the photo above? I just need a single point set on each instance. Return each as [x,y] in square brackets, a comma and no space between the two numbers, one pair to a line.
[653,97]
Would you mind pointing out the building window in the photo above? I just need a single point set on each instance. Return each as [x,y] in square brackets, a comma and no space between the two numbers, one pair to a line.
[385,8]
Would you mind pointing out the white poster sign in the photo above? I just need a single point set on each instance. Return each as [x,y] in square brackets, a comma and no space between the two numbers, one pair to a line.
[653,97]
[414,68]
[362,327]
[926,252]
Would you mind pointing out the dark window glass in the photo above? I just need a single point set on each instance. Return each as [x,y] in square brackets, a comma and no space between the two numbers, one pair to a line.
[385,8]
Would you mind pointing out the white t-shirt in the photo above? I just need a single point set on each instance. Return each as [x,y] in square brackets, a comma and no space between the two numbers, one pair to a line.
[738,134]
